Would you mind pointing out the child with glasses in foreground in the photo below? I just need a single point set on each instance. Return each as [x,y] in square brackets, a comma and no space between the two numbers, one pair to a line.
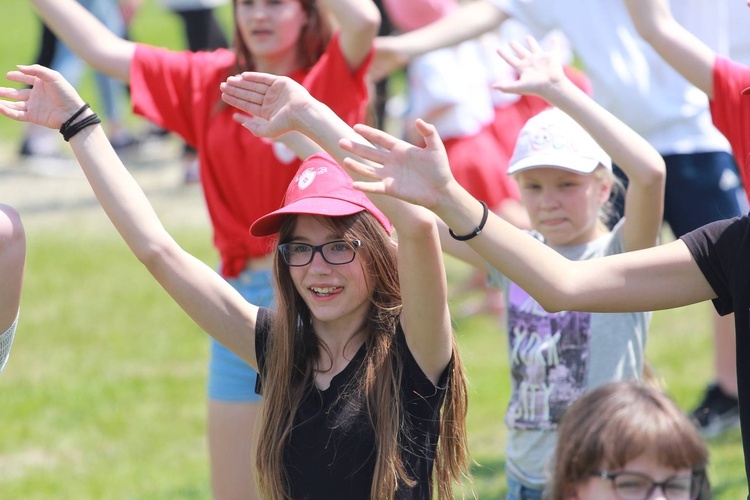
[566,180]
[627,441]
[364,391]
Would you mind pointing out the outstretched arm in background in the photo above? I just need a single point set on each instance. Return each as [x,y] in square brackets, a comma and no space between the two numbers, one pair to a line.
[358,23]
[469,21]
[541,73]
[205,296]
[87,37]
[685,52]
[645,280]
[282,105]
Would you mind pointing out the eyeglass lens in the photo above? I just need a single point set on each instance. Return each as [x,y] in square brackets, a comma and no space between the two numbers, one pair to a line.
[334,252]
[632,486]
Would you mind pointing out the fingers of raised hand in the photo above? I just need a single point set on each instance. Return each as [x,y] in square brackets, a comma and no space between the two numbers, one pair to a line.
[21,77]
[364,151]
[362,169]
[15,94]
[13,109]
[377,137]
[534,46]
[508,56]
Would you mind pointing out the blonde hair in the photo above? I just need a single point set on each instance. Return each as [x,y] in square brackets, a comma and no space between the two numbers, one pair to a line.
[291,354]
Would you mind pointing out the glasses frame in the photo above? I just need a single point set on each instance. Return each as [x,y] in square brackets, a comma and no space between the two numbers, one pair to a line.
[698,475]
[355,244]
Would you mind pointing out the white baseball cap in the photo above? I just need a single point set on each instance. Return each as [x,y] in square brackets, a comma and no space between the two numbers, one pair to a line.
[553,139]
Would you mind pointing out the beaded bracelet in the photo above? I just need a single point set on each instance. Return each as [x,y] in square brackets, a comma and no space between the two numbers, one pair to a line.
[69,129]
[477,230]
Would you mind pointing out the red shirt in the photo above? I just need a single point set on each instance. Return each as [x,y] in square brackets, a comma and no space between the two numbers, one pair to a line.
[243,176]
[730,110]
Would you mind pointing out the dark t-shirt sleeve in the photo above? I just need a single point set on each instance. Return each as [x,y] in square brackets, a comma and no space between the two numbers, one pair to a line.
[716,248]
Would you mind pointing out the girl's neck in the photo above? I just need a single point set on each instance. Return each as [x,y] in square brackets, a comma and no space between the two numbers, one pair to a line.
[334,356]
[284,65]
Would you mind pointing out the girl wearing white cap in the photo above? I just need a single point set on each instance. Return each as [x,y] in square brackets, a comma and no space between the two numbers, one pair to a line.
[566,180]
[364,390]
[563,165]
[12,260]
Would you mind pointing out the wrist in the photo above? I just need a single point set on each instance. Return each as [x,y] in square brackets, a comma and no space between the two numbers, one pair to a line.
[81,118]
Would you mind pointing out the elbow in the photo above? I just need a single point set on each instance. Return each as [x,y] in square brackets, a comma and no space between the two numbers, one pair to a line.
[369,22]
[155,254]
[12,233]
[423,224]
[656,175]
[651,173]
[554,303]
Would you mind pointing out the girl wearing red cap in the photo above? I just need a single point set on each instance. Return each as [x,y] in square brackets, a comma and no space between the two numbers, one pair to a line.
[242,177]
[364,390]
[566,179]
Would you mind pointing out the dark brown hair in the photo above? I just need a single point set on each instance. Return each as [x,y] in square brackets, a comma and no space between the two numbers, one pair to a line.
[291,359]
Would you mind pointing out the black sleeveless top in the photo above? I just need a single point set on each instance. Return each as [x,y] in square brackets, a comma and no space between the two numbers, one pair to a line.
[331,452]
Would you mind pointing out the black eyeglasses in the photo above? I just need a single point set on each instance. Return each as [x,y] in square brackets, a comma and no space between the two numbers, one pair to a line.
[637,486]
[334,252]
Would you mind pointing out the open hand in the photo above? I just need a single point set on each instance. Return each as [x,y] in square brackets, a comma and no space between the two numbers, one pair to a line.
[50,101]
[410,173]
[538,70]
[271,100]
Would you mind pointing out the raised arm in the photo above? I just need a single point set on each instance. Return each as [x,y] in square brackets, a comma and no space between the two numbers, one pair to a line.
[358,22]
[656,278]
[541,73]
[12,260]
[203,294]
[469,21]
[425,317]
[685,52]
[87,36]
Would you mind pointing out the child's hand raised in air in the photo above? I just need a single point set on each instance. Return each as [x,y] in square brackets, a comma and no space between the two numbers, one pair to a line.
[272,101]
[50,101]
[417,175]
[539,71]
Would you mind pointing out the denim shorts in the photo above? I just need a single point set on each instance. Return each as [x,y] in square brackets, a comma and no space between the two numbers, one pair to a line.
[230,379]
[517,491]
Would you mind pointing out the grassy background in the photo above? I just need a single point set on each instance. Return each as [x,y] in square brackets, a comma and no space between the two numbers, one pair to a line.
[104,394]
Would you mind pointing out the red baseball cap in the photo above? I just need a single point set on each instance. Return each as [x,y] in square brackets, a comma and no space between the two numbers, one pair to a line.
[320,187]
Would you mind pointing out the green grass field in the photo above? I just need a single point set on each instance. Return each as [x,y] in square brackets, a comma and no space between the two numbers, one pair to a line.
[104,398]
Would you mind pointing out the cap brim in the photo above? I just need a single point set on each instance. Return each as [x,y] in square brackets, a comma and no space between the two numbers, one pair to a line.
[271,223]
[576,164]
[746,91]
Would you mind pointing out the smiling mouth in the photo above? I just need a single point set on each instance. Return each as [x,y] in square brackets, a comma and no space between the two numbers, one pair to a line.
[322,292]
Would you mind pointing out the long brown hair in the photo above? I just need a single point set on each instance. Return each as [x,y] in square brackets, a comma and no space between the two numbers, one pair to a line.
[291,359]
[311,44]
[616,423]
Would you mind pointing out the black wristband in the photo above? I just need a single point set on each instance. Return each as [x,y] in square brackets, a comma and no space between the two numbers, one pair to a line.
[72,130]
[477,230]
[67,124]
